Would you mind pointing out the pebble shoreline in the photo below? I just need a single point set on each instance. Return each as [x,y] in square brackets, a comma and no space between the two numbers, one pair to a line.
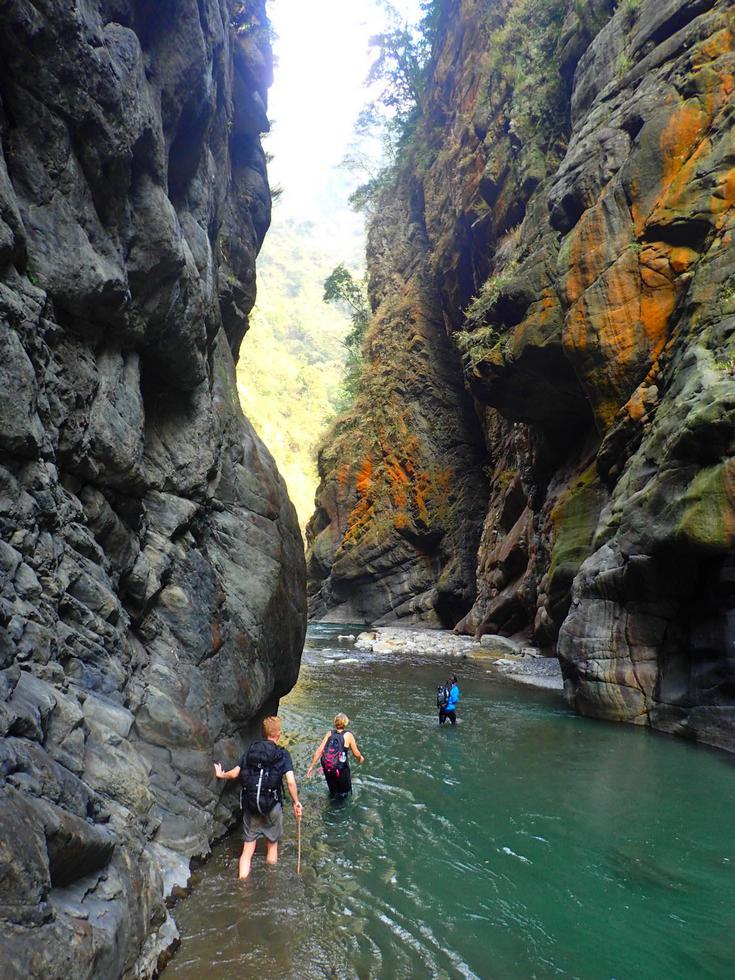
[520,663]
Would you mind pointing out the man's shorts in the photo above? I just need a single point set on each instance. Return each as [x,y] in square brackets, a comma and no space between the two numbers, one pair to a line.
[255,825]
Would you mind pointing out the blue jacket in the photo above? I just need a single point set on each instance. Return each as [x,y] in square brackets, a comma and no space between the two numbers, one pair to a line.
[453,698]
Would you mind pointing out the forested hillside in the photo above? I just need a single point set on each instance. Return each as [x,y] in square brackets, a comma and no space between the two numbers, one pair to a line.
[292,361]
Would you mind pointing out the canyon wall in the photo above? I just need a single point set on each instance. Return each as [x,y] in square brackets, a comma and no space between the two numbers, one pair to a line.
[402,496]
[569,192]
[152,602]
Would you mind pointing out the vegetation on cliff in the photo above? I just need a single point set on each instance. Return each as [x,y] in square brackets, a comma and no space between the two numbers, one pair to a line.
[294,369]
[349,293]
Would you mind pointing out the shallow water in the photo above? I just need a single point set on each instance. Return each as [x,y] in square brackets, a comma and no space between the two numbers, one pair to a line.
[526,842]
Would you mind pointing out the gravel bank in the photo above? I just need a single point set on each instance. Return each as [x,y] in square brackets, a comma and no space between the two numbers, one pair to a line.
[521,663]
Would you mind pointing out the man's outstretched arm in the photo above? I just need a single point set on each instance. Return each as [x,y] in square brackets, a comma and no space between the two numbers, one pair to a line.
[230,774]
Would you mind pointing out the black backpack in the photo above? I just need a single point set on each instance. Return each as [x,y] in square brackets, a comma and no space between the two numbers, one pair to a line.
[334,757]
[442,696]
[261,777]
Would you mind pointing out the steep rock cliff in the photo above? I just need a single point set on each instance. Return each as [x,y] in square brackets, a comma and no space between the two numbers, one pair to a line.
[151,569]
[575,169]
[402,496]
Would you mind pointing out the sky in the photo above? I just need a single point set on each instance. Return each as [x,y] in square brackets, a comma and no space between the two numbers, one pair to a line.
[322,59]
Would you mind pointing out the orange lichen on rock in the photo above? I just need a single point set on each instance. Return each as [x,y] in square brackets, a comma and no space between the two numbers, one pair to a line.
[588,255]
[712,48]
[398,480]
[606,316]
[657,307]
[398,498]
[396,473]
[723,198]
[636,406]
[622,297]
[621,322]
[359,516]
[658,301]
[357,520]
[682,144]
[687,142]
[687,125]
[364,477]
[421,488]
[682,258]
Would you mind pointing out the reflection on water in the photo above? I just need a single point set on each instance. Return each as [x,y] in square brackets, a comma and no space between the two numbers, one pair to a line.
[525,842]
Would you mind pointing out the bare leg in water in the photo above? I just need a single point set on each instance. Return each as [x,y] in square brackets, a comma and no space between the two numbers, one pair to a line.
[271,851]
[248,849]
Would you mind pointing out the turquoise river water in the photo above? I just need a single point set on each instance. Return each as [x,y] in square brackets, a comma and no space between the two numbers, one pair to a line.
[525,842]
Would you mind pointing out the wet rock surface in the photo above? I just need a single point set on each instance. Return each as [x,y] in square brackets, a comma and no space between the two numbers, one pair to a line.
[577,222]
[151,566]
[534,671]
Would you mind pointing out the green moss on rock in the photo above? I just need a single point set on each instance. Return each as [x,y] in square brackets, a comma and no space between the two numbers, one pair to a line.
[708,521]
[574,520]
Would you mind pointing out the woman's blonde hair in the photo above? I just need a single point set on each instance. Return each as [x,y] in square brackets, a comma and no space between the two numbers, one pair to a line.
[341,720]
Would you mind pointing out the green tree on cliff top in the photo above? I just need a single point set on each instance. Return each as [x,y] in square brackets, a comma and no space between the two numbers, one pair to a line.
[398,78]
[350,294]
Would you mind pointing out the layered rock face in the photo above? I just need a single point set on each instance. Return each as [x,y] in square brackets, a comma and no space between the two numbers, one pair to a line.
[402,492]
[575,171]
[651,633]
[151,570]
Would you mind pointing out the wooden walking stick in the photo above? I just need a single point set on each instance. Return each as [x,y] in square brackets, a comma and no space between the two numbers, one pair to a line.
[298,860]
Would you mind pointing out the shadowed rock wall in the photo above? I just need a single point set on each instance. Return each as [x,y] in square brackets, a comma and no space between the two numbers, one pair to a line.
[575,171]
[151,567]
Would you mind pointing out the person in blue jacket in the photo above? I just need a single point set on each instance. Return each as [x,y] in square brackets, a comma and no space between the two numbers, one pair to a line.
[449,710]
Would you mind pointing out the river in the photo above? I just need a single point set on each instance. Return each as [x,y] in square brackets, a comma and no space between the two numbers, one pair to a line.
[525,842]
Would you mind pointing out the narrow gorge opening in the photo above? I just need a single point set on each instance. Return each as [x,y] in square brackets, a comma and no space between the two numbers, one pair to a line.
[293,361]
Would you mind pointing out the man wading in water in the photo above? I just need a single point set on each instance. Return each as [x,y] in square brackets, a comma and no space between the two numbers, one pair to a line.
[260,771]
[333,755]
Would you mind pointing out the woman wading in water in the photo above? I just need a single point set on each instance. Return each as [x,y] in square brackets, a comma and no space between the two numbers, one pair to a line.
[333,755]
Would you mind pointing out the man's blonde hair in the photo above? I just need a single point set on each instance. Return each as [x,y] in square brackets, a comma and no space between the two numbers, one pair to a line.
[341,721]
[271,727]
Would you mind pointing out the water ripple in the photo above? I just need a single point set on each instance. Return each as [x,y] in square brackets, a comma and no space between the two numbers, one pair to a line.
[524,842]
